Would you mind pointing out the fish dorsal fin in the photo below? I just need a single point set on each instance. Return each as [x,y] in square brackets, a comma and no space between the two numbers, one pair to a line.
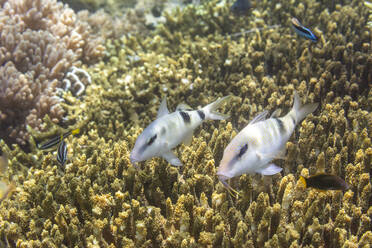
[260,117]
[188,139]
[163,109]
[276,113]
[183,107]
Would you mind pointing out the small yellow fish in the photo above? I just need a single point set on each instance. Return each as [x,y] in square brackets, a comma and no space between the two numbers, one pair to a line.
[324,181]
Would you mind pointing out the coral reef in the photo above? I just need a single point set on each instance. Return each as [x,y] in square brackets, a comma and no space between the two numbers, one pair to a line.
[113,19]
[369,6]
[39,41]
[100,200]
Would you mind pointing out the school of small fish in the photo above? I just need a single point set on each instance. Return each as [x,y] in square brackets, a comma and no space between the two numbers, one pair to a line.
[251,151]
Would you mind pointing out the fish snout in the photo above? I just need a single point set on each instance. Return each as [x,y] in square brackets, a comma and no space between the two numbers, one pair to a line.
[222,174]
[133,158]
[222,178]
[226,168]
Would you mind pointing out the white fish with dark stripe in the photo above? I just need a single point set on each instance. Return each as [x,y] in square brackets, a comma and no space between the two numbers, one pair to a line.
[260,142]
[171,129]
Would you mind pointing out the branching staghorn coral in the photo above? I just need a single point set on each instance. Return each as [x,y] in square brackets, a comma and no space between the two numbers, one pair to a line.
[100,199]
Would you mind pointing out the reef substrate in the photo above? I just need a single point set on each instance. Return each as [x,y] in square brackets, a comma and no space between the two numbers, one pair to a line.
[100,200]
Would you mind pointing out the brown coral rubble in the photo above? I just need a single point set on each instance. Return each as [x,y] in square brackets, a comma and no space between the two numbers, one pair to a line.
[100,200]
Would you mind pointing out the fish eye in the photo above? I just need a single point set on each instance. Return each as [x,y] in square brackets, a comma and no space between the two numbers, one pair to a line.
[151,140]
[243,150]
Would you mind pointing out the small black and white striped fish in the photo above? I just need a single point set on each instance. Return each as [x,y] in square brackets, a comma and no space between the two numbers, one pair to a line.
[62,152]
[55,140]
[171,129]
[261,141]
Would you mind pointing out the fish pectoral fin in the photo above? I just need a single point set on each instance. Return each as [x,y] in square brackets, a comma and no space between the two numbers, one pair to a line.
[188,138]
[172,158]
[269,170]
[163,109]
[260,117]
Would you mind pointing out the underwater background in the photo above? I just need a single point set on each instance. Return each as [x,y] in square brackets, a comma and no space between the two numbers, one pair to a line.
[104,66]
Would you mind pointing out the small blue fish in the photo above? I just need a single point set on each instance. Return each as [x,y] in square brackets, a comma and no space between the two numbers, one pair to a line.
[62,152]
[241,7]
[303,31]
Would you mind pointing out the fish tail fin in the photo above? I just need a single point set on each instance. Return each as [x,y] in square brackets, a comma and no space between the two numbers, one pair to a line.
[301,111]
[210,109]
[303,181]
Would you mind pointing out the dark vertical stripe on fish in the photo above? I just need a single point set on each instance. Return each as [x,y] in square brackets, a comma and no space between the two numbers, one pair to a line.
[163,131]
[201,114]
[281,125]
[185,117]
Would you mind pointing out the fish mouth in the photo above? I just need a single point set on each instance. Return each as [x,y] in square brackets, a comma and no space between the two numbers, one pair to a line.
[223,172]
[223,175]
[133,159]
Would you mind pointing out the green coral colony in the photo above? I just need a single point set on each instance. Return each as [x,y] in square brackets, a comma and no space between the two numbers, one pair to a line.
[309,63]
